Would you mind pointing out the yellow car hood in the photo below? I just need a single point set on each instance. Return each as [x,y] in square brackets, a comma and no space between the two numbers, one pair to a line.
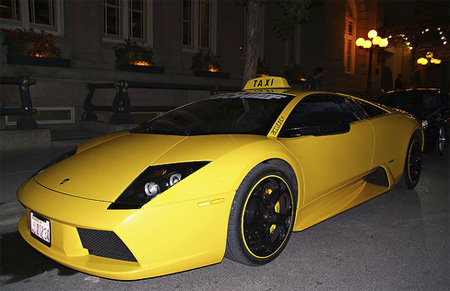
[102,169]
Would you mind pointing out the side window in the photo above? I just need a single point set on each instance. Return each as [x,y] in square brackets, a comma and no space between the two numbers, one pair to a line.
[355,112]
[371,110]
[314,110]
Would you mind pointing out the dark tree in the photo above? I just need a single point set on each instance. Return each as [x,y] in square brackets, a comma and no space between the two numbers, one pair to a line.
[293,12]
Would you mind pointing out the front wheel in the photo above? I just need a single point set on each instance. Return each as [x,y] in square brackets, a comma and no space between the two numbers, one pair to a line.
[261,217]
[413,165]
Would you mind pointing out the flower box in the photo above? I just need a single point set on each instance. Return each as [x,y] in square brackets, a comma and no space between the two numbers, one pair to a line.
[209,74]
[141,69]
[36,61]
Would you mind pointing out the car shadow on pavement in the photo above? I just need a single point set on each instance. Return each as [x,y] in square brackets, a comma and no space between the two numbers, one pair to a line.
[19,261]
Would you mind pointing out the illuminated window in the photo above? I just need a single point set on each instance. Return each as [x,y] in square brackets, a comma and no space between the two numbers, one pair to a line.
[198,22]
[40,14]
[123,19]
[350,37]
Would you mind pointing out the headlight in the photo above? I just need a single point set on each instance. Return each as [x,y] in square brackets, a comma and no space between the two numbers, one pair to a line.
[152,182]
[57,160]
[424,124]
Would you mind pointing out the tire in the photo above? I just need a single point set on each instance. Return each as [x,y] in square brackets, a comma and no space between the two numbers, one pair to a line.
[441,140]
[261,216]
[413,165]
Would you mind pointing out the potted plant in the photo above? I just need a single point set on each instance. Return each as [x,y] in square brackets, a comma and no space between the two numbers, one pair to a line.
[294,74]
[28,47]
[262,69]
[131,56]
[207,64]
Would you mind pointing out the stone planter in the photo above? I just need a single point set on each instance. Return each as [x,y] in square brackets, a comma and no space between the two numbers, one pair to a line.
[141,69]
[209,74]
[35,61]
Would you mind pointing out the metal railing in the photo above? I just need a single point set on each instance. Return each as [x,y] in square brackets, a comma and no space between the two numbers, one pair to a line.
[26,120]
[121,105]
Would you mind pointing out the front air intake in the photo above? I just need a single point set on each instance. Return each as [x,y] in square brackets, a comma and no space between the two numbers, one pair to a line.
[105,244]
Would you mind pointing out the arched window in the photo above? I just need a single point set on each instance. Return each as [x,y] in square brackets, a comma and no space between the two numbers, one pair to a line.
[350,37]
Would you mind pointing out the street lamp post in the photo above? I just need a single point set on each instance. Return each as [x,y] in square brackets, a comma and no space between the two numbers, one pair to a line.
[374,42]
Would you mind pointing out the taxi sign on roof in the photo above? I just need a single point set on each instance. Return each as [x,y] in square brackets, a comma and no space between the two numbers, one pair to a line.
[267,83]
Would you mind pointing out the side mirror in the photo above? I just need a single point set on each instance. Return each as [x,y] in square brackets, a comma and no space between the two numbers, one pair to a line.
[339,127]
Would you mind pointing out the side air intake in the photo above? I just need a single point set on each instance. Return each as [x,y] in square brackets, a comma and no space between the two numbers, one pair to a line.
[378,177]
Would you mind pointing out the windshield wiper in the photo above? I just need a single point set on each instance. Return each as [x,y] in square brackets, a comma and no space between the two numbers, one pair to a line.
[159,127]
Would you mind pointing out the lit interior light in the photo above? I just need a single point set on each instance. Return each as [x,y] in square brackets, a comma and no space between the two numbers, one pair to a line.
[384,42]
[367,44]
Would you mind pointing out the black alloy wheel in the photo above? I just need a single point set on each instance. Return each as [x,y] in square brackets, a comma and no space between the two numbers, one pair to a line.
[261,218]
[413,165]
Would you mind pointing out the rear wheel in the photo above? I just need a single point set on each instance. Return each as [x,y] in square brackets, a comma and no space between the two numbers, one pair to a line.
[441,140]
[413,165]
[261,217]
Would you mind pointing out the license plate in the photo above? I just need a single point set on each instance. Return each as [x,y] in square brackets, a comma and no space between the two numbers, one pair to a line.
[40,228]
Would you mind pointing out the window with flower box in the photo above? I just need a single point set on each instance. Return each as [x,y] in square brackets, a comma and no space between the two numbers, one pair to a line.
[199,22]
[26,14]
[127,19]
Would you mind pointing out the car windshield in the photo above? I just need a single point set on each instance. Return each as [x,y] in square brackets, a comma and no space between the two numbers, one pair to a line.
[241,113]
[412,100]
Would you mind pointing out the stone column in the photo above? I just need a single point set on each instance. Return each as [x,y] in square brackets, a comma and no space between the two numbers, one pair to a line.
[87,21]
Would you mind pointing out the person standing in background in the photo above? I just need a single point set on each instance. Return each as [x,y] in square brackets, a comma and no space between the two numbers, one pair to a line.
[398,82]
[315,82]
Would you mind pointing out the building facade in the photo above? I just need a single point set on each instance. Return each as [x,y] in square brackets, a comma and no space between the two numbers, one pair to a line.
[87,31]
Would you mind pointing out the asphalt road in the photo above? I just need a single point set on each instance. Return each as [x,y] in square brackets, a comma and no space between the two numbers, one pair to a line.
[397,241]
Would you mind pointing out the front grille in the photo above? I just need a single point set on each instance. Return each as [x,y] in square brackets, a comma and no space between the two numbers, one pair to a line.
[105,244]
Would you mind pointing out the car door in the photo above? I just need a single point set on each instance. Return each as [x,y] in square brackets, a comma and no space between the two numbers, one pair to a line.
[332,160]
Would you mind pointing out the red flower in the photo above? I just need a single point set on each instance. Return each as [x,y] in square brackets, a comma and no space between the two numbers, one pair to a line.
[32,43]
[26,36]
[49,38]
[31,29]
[54,43]
[50,35]
[13,34]
[6,30]
[115,47]
[43,31]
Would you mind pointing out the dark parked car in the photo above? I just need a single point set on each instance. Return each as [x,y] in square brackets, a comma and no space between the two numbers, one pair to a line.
[431,106]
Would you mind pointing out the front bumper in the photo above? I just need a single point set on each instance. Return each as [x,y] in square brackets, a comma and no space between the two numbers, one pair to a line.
[161,240]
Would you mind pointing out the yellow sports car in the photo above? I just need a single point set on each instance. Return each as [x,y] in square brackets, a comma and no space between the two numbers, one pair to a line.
[228,176]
